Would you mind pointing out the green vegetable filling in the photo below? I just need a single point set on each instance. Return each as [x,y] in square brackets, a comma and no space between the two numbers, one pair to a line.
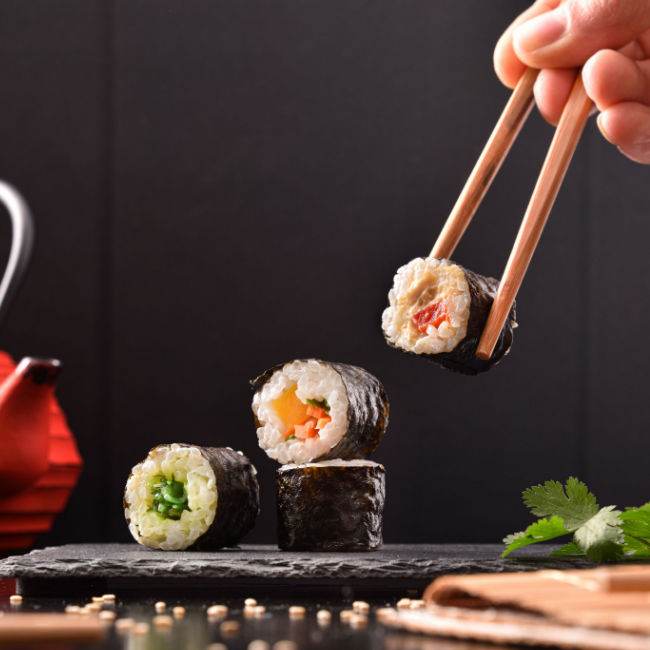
[169,497]
[320,403]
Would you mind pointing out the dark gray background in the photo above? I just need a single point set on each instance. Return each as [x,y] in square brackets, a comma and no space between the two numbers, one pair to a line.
[221,185]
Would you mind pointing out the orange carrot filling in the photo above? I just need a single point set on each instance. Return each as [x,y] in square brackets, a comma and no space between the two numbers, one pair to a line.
[434,314]
[302,420]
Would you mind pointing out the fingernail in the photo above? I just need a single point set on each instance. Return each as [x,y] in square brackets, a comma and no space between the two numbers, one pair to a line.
[600,120]
[540,31]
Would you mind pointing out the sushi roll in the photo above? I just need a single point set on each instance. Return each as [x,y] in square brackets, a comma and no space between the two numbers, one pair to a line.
[438,309]
[308,410]
[334,505]
[185,496]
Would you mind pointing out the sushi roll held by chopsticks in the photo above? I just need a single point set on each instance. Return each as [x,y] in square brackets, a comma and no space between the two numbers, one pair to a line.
[308,410]
[438,309]
[185,496]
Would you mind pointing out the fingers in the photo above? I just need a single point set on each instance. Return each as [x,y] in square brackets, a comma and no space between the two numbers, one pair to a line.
[569,34]
[611,77]
[506,63]
[552,89]
[627,125]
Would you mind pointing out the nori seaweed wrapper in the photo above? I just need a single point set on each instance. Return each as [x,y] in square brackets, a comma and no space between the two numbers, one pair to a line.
[238,498]
[368,409]
[330,508]
[462,358]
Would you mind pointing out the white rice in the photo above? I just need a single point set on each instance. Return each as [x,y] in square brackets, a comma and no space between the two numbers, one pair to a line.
[314,380]
[188,465]
[423,282]
[337,462]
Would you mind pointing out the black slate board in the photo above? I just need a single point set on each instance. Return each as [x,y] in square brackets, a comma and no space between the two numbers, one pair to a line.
[128,568]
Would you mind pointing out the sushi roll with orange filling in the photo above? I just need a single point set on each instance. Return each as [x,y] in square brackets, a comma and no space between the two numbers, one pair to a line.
[185,496]
[308,410]
[438,309]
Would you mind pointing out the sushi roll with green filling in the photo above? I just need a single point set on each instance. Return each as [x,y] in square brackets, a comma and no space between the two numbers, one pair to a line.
[308,410]
[185,496]
[333,505]
[438,309]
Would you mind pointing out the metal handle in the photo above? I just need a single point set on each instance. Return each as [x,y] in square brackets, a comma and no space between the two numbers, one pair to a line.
[22,240]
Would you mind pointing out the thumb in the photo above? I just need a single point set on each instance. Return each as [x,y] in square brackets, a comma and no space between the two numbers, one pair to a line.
[568,35]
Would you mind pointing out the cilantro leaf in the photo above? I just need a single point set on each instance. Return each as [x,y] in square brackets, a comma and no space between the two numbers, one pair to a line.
[568,549]
[636,528]
[541,531]
[575,506]
[601,537]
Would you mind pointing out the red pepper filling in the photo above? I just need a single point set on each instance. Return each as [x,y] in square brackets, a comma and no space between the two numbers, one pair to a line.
[434,314]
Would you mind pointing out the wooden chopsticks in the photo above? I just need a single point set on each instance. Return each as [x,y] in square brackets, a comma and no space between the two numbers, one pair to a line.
[557,160]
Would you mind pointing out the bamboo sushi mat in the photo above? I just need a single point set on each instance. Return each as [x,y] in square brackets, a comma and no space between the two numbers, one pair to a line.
[598,609]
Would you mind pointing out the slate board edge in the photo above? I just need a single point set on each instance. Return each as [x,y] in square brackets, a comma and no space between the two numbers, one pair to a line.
[268,563]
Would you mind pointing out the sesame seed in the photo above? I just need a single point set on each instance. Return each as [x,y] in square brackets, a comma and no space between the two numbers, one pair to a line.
[93,607]
[160,606]
[229,628]
[107,615]
[217,610]
[346,615]
[258,644]
[358,620]
[124,624]
[285,645]
[297,611]
[360,606]
[403,603]
[250,602]
[85,611]
[162,620]
[259,611]
[140,629]
[384,613]
[178,612]
[109,598]
[416,604]
[16,599]
[241,453]
[324,616]
[249,612]
[97,599]
[72,609]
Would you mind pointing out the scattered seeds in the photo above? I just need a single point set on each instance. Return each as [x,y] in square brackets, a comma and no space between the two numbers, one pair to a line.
[217,611]
[250,602]
[109,598]
[85,611]
[229,628]
[297,611]
[97,599]
[285,645]
[360,606]
[72,609]
[259,611]
[15,599]
[324,616]
[93,607]
[403,603]
[140,629]
[383,613]
[124,624]
[346,615]
[416,604]
[160,606]
[249,612]
[259,644]
[358,620]
[107,615]
[178,611]
[162,620]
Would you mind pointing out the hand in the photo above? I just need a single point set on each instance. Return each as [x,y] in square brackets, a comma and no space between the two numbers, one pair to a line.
[610,39]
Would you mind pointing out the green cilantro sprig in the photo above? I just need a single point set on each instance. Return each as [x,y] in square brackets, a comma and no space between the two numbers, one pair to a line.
[600,534]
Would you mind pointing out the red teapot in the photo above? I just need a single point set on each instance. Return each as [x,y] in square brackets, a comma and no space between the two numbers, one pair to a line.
[39,460]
